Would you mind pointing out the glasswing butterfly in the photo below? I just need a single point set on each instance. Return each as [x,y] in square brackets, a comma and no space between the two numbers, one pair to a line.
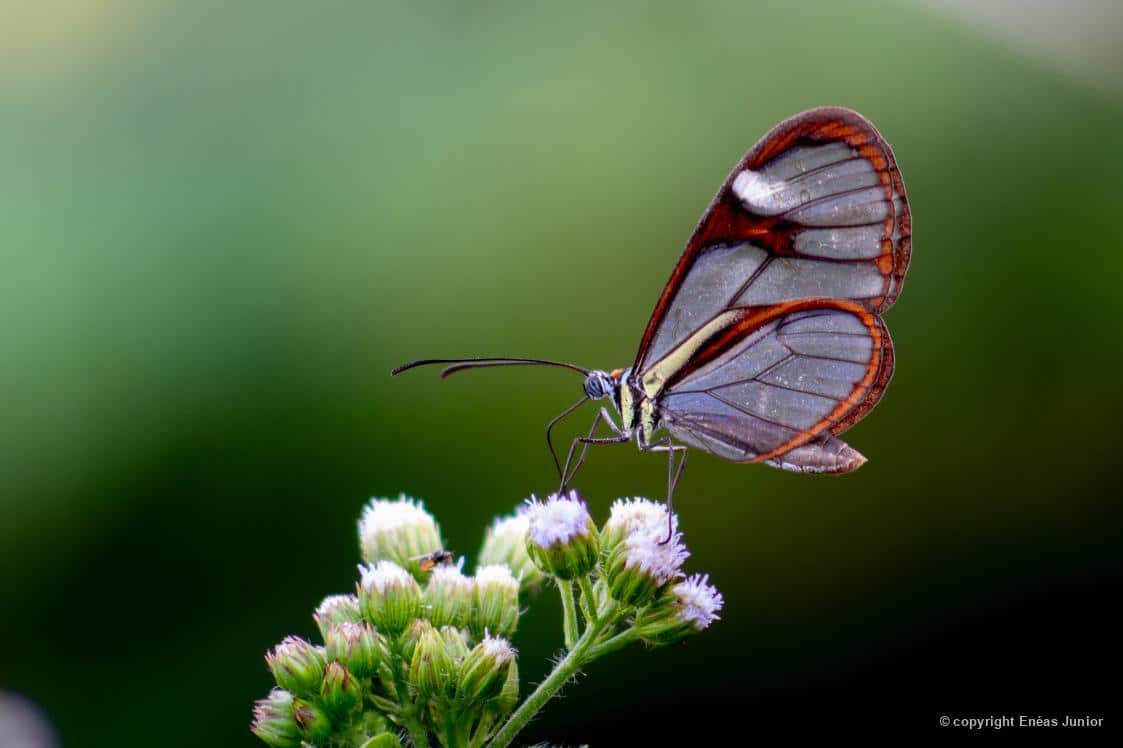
[767,341]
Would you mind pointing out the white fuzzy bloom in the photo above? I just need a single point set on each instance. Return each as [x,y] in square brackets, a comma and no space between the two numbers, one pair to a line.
[334,606]
[663,562]
[383,576]
[397,530]
[498,648]
[699,601]
[557,520]
[514,526]
[641,515]
[450,577]
[497,574]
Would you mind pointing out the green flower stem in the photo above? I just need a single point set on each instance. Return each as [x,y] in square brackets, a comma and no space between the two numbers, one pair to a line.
[418,735]
[588,598]
[569,612]
[609,646]
[562,672]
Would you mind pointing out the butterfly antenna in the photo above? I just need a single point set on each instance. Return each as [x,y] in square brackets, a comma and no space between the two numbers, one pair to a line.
[463,364]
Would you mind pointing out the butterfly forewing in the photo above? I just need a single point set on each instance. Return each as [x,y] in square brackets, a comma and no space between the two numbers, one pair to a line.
[816,209]
[766,340]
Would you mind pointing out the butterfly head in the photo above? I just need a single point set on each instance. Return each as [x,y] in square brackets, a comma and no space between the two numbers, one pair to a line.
[601,384]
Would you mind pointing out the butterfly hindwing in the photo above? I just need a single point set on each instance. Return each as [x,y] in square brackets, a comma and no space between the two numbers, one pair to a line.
[776,385]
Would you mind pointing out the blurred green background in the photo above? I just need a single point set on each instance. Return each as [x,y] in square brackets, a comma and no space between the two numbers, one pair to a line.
[224,224]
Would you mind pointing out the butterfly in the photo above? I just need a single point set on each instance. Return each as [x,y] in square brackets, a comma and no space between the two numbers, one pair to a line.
[767,342]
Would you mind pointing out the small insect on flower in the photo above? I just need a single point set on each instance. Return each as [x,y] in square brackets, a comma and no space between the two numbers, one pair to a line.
[427,561]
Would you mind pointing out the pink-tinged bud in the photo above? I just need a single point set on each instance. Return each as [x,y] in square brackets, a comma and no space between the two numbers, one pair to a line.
[484,673]
[431,668]
[312,720]
[356,646]
[297,666]
[273,720]
[340,692]
[336,609]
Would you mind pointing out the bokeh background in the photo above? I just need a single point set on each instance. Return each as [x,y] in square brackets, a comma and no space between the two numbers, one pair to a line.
[225,223]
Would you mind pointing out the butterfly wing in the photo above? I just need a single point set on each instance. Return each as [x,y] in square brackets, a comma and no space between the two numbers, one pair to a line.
[816,209]
[766,341]
[779,383]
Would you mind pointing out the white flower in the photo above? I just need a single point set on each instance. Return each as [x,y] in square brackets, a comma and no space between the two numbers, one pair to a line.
[637,560]
[512,527]
[639,515]
[506,544]
[497,574]
[699,601]
[557,520]
[497,648]
[398,530]
[383,576]
[449,576]
[336,609]
[662,561]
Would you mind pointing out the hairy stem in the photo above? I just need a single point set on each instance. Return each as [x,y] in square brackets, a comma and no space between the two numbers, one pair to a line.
[562,672]
[588,598]
[569,613]
[609,646]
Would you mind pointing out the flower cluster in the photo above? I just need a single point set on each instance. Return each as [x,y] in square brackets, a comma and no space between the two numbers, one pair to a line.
[423,651]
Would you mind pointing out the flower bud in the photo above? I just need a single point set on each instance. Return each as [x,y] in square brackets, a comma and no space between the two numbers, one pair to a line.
[336,609]
[448,596]
[340,692]
[297,666]
[313,721]
[484,672]
[508,697]
[273,720]
[407,642]
[495,599]
[561,536]
[431,669]
[637,568]
[456,642]
[388,596]
[687,608]
[506,544]
[356,646]
[400,531]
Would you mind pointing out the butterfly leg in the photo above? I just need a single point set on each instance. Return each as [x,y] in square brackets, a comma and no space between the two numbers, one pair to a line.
[571,467]
[549,431]
[673,474]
